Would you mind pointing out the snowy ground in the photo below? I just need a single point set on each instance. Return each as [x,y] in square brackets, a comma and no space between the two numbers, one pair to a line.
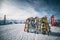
[16,32]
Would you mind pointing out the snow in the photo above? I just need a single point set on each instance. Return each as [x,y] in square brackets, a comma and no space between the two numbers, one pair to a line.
[16,32]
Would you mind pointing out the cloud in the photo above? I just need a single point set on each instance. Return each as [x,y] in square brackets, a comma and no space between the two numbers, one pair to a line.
[23,12]
[15,13]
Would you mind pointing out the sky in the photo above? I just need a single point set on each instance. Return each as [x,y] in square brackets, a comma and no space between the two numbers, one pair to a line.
[22,9]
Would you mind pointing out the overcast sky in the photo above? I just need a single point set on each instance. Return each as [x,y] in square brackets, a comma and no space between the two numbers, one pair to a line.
[22,9]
